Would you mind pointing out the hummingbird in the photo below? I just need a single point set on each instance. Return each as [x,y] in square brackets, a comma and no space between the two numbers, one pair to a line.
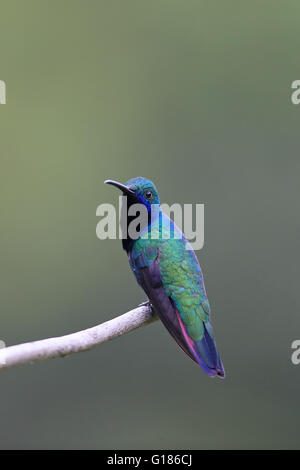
[167,269]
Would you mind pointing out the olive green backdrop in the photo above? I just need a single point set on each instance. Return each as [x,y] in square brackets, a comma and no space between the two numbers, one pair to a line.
[196,96]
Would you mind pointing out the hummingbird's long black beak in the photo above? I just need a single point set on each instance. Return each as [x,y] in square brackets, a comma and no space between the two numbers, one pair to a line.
[122,187]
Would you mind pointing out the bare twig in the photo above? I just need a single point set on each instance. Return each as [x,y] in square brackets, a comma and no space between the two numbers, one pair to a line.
[76,342]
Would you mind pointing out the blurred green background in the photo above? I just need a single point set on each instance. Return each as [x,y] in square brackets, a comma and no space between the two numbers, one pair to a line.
[194,95]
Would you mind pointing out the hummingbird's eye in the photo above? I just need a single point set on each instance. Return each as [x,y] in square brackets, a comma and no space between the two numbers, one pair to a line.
[148,195]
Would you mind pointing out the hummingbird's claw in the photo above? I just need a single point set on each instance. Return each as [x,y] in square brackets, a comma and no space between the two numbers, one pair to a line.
[147,303]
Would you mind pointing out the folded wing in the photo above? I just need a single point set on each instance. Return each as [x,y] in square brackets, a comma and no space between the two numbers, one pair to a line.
[193,333]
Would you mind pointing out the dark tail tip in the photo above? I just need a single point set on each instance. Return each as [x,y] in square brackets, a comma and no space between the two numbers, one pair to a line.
[212,357]
[221,374]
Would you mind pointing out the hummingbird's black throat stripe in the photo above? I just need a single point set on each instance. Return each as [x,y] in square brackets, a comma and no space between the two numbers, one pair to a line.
[127,241]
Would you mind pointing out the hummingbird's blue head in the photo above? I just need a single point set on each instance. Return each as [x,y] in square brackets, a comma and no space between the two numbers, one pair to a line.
[144,189]
[139,190]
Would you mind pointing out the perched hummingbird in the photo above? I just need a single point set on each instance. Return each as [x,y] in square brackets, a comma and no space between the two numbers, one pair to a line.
[171,277]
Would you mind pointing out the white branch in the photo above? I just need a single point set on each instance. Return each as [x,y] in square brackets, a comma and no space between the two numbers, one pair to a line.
[76,342]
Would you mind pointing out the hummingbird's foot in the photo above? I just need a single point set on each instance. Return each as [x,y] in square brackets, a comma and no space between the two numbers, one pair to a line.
[150,306]
[146,304]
